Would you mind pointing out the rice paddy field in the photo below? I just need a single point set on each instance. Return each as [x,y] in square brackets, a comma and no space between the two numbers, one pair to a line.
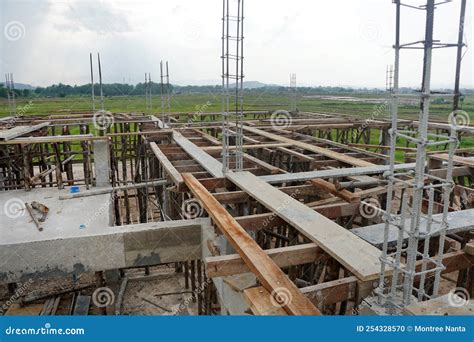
[360,105]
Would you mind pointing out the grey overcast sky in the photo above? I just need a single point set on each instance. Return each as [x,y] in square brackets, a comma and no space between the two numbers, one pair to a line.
[329,43]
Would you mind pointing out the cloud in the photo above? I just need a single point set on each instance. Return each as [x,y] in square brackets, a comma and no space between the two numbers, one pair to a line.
[338,42]
[96,17]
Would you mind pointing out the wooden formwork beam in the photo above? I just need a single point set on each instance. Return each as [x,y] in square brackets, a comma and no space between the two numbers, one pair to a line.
[354,253]
[316,149]
[344,194]
[268,273]
[169,168]
[330,292]
[225,265]
[456,159]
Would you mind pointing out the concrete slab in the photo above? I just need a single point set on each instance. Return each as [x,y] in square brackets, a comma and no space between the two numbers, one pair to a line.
[448,305]
[459,221]
[64,219]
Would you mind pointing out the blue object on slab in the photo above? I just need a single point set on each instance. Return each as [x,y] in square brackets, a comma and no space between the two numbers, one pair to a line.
[74,189]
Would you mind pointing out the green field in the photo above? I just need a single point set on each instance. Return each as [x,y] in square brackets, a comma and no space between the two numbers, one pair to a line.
[254,100]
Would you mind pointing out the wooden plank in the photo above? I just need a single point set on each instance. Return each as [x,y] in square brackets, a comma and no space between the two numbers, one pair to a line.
[357,255]
[210,164]
[457,159]
[469,248]
[316,149]
[52,139]
[26,310]
[82,306]
[250,146]
[272,169]
[170,169]
[260,303]
[21,130]
[101,191]
[382,147]
[47,306]
[268,273]
[225,265]
[344,194]
[268,220]
[296,154]
[342,172]
[327,293]
[159,123]
[331,292]
[453,261]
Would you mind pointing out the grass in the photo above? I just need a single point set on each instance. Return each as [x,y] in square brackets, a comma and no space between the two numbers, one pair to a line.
[263,100]
[254,100]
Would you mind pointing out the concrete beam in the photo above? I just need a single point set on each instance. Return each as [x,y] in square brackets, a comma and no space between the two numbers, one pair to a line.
[103,249]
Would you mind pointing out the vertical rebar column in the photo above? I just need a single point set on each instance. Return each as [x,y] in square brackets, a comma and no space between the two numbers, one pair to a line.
[162,92]
[418,191]
[92,84]
[148,95]
[460,45]
[100,84]
[402,291]
[389,79]
[10,87]
[293,93]
[393,142]
[146,92]
[168,92]
[150,92]
[232,58]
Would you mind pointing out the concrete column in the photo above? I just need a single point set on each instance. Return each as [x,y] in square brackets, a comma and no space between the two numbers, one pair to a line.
[102,162]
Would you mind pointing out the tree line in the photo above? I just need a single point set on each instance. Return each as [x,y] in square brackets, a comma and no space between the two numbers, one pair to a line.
[121,89]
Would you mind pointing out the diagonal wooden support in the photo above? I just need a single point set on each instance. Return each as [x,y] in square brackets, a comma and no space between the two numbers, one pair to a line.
[267,272]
